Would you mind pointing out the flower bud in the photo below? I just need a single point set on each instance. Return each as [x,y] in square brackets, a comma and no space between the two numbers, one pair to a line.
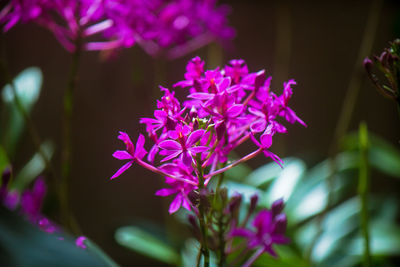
[277,207]
[280,223]
[193,113]
[260,79]
[234,205]
[368,65]
[220,128]
[253,203]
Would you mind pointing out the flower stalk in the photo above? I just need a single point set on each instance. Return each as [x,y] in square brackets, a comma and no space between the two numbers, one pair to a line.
[363,188]
[66,156]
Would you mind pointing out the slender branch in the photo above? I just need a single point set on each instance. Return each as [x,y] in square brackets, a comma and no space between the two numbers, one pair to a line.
[230,166]
[363,188]
[66,158]
[160,172]
[203,226]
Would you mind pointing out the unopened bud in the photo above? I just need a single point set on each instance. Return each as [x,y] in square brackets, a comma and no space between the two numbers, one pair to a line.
[253,203]
[260,79]
[220,128]
[5,178]
[368,64]
[235,203]
[193,113]
[280,223]
[171,124]
[277,207]
[194,197]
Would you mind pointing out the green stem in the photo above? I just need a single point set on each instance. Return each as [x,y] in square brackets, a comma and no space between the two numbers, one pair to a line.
[66,214]
[221,225]
[222,243]
[363,187]
[203,227]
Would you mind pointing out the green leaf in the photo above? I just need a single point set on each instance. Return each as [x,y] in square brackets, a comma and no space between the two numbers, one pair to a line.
[310,196]
[147,244]
[22,244]
[384,240]
[33,168]
[3,160]
[190,252]
[337,224]
[284,185]
[383,156]
[27,85]
[238,173]
[95,249]
[264,175]
[286,258]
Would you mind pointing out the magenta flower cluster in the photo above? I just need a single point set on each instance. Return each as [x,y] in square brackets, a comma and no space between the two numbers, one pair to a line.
[179,25]
[224,108]
[269,229]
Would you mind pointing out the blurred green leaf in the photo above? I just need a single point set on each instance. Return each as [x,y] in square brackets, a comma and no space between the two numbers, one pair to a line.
[27,84]
[147,244]
[95,249]
[286,258]
[238,173]
[383,156]
[284,185]
[384,240]
[264,174]
[190,252]
[3,160]
[310,195]
[22,244]
[33,168]
[337,224]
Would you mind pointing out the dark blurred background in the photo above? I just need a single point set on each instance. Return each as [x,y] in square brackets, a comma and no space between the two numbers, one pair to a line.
[314,42]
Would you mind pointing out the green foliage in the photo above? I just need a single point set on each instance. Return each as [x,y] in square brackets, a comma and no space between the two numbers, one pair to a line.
[22,244]
[27,86]
[33,168]
[4,162]
[95,249]
[146,243]
[383,156]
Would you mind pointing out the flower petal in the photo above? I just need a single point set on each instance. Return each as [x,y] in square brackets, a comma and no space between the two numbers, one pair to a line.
[122,169]
[186,158]
[140,152]
[122,154]
[235,110]
[258,126]
[175,204]
[195,137]
[201,96]
[170,145]
[171,156]
[165,192]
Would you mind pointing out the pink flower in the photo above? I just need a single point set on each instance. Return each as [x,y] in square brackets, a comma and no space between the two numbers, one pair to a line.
[180,188]
[130,153]
[185,147]
[269,229]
